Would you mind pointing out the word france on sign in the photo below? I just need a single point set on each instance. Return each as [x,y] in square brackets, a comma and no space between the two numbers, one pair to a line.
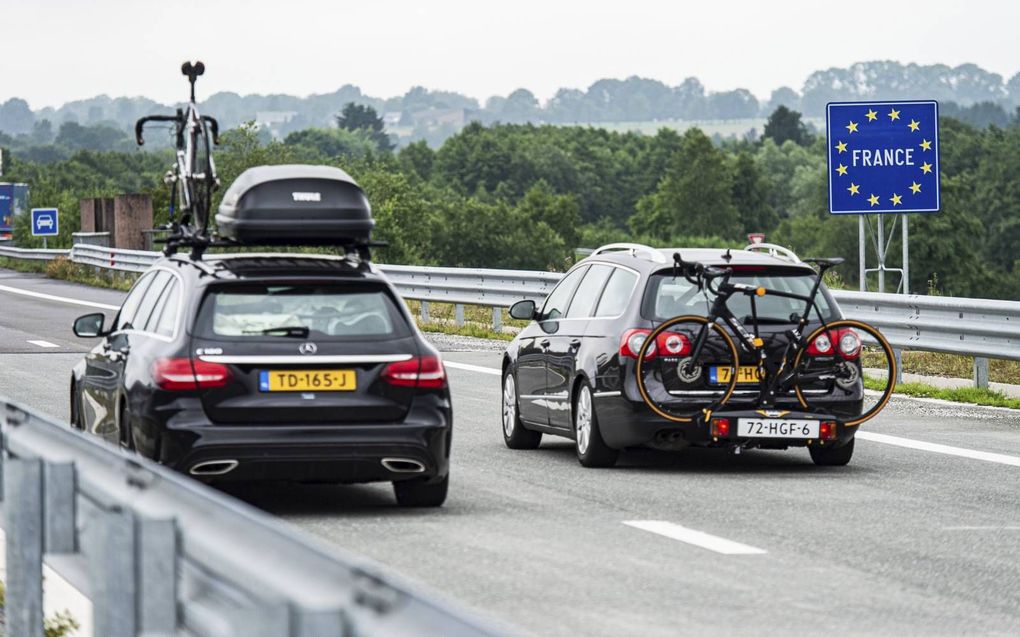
[883,157]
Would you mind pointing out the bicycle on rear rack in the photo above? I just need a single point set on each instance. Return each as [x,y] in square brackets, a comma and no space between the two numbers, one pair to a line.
[192,179]
[685,354]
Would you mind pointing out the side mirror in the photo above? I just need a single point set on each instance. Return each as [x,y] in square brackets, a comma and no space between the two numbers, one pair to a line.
[523,310]
[90,325]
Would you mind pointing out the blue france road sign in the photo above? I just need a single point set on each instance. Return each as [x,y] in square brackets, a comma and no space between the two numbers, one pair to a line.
[45,222]
[883,157]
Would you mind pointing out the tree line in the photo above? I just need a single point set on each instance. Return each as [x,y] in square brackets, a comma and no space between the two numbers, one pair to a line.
[526,196]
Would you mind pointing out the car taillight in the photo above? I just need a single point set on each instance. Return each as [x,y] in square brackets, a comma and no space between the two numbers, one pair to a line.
[720,428]
[849,344]
[827,430]
[180,374]
[671,344]
[425,372]
[847,341]
[821,346]
[632,341]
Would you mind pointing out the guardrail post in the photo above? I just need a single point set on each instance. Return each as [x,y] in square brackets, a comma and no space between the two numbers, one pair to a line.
[898,355]
[981,372]
[58,507]
[157,575]
[110,550]
[458,314]
[424,311]
[23,508]
[497,319]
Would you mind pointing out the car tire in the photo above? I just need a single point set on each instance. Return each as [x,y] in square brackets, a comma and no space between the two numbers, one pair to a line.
[832,456]
[592,451]
[76,415]
[514,434]
[127,435]
[421,493]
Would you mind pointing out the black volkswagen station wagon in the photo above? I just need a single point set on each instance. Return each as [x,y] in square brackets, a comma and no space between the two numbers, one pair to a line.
[571,371]
[255,366]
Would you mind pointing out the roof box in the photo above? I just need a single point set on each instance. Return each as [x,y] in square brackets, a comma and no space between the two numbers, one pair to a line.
[295,205]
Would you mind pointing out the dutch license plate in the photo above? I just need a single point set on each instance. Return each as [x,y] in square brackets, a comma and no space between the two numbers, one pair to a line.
[745,374]
[307,380]
[776,428]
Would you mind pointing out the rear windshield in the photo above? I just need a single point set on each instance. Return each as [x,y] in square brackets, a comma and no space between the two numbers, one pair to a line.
[325,311]
[667,297]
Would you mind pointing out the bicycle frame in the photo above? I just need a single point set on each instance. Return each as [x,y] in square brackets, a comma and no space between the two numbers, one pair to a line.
[774,377]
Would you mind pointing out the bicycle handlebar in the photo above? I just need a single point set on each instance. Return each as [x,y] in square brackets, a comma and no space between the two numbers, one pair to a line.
[140,124]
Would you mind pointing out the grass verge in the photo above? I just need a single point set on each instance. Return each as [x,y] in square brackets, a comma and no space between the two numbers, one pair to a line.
[971,395]
[67,270]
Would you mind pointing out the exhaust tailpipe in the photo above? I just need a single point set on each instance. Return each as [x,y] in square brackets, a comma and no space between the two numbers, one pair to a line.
[402,465]
[213,468]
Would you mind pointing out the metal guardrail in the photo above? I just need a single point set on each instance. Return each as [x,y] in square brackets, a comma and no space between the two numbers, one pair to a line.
[971,327]
[158,553]
[34,254]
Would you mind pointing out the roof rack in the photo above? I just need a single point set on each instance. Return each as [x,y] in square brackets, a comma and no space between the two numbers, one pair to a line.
[774,250]
[633,248]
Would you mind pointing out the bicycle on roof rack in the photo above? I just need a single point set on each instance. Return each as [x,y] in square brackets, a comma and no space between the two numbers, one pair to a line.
[685,354]
[192,179]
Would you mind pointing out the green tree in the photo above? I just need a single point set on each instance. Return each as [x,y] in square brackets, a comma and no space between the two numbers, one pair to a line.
[695,198]
[751,195]
[784,124]
[358,117]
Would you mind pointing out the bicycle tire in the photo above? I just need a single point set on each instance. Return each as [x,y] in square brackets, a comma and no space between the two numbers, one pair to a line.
[670,325]
[883,345]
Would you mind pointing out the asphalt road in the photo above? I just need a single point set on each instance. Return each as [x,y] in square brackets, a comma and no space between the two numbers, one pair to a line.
[915,539]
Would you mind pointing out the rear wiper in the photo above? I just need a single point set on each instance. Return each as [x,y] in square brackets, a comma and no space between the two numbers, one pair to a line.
[297,331]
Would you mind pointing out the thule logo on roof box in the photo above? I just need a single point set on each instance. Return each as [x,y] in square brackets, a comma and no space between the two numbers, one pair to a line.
[306,196]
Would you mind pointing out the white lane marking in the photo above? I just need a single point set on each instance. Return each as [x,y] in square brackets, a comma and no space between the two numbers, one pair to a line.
[1000,458]
[473,368]
[61,299]
[982,528]
[697,538]
[43,343]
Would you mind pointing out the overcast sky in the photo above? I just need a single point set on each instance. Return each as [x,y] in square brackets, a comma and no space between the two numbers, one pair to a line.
[58,50]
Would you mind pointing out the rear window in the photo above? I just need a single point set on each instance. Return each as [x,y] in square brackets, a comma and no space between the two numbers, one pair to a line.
[327,311]
[667,297]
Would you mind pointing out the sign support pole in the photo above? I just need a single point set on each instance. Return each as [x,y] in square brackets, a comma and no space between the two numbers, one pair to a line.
[44,243]
[861,251]
[906,256]
[881,254]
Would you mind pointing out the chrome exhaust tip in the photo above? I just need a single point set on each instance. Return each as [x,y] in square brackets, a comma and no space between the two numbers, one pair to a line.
[213,468]
[402,465]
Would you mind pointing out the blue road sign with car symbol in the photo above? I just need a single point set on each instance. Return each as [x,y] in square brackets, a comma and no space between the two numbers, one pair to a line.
[45,222]
[883,156]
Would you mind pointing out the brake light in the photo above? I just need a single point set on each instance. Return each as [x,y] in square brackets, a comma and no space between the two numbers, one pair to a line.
[182,374]
[425,372]
[720,427]
[632,342]
[672,344]
[847,341]
[827,430]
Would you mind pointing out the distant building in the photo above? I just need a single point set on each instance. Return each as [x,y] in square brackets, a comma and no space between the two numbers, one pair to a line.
[272,120]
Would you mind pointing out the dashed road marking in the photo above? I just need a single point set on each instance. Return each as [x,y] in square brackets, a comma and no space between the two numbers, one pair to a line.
[696,538]
[932,447]
[45,344]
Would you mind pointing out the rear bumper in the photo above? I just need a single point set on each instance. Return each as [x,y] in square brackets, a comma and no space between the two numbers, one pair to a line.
[351,452]
[625,423]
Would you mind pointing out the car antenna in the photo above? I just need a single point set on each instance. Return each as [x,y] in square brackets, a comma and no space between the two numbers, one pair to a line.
[726,257]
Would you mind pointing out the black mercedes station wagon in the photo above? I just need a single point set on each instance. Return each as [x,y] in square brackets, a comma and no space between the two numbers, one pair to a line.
[256,367]
[571,371]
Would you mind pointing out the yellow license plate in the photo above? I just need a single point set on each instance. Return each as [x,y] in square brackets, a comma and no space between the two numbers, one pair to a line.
[308,380]
[745,374]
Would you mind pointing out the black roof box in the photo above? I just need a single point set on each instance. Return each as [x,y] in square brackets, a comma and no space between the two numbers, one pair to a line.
[295,205]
